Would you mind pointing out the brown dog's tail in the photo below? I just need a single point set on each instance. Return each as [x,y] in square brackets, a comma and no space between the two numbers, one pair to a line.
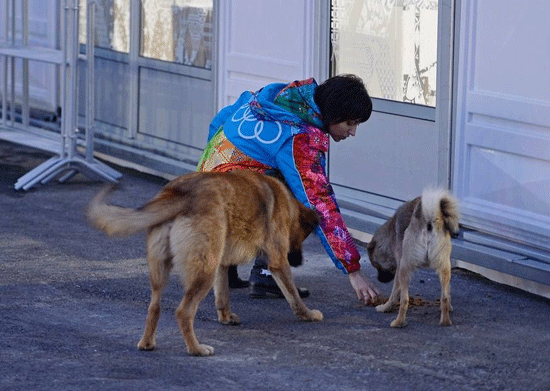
[116,220]
[438,205]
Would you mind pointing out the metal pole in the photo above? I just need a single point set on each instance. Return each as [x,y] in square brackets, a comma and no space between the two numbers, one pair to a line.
[64,84]
[133,66]
[12,69]
[73,101]
[90,77]
[25,84]
[4,74]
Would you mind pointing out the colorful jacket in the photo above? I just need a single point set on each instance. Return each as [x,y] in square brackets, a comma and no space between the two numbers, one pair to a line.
[279,128]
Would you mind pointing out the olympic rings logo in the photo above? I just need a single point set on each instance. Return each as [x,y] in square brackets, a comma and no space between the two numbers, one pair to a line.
[247,116]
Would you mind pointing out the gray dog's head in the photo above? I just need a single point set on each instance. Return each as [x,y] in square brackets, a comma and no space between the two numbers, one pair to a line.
[381,257]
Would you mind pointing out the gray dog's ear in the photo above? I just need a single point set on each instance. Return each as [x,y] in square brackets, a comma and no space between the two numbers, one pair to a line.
[370,247]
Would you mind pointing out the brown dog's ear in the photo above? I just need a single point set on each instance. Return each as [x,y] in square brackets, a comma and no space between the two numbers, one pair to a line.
[295,258]
[309,219]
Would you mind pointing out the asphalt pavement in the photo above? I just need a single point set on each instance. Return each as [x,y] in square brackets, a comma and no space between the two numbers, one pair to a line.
[73,305]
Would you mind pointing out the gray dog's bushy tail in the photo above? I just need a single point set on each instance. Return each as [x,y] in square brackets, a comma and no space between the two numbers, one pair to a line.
[117,220]
[441,204]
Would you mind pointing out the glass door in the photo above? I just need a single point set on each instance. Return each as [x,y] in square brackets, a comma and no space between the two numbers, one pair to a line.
[396,47]
[392,45]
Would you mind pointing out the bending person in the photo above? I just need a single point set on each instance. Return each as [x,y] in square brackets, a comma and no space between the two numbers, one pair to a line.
[283,130]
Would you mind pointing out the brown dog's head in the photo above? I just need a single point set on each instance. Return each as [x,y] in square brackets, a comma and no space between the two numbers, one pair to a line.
[307,221]
[381,257]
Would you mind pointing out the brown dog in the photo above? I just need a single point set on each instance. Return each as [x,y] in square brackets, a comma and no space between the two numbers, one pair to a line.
[418,234]
[204,222]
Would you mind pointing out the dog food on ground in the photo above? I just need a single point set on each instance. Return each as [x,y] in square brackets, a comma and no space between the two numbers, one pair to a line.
[414,301]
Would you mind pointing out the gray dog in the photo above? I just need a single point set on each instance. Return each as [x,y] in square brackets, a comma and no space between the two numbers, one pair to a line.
[418,235]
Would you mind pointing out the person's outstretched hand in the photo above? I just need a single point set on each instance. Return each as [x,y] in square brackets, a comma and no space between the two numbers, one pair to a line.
[366,291]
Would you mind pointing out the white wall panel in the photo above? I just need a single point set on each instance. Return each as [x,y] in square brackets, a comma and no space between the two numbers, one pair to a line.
[508,46]
[261,42]
[503,120]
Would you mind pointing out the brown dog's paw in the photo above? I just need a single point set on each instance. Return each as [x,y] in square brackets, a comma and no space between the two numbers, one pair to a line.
[146,345]
[201,350]
[231,319]
[316,315]
[308,315]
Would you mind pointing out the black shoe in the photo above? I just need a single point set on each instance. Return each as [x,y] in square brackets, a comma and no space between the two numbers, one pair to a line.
[238,283]
[259,291]
[234,281]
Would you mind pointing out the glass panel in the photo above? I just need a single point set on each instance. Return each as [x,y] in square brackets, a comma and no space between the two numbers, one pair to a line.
[177,30]
[112,24]
[390,44]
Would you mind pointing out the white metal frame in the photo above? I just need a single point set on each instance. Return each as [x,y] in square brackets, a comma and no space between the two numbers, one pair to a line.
[69,162]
